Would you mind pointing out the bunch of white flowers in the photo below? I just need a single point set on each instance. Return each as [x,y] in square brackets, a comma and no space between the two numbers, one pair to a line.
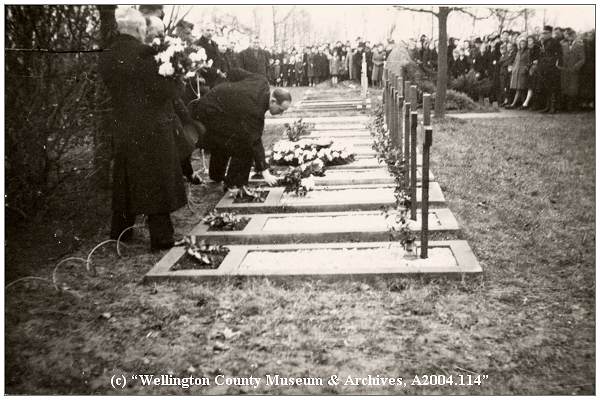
[308,184]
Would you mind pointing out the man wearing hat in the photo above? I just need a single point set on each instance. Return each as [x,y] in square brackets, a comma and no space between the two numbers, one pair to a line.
[550,58]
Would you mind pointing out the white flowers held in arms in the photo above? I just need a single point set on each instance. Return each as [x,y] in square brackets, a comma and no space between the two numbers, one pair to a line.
[174,59]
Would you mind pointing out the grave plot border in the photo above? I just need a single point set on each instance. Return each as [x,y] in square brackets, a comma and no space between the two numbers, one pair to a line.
[467,264]
[253,233]
[273,202]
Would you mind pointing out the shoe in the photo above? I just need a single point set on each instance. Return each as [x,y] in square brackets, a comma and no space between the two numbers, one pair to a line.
[509,107]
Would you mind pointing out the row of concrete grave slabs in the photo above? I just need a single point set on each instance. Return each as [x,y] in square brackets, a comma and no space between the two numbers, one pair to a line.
[349,176]
[321,227]
[346,120]
[315,108]
[335,261]
[328,198]
[336,231]
[329,102]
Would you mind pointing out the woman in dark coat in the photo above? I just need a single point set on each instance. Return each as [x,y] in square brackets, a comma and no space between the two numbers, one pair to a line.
[520,72]
[311,67]
[147,176]
[533,81]
[504,63]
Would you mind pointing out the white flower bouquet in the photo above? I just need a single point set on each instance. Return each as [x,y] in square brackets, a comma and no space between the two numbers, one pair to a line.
[306,150]
[176,60]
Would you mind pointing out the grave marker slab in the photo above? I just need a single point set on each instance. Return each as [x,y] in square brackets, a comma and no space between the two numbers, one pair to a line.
[452,258]
[329,198]
[321,227]
[349,176]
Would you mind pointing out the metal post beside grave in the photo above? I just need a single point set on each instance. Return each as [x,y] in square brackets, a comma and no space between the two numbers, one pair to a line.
[426,109]
[392,124]
[425,191]
[413,165]
[389,99]
[413,98]
[407,156]
[407,91]
[384,101]
[398,136]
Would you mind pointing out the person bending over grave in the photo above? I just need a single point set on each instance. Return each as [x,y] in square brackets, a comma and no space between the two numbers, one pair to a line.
[147,177]
[234,116]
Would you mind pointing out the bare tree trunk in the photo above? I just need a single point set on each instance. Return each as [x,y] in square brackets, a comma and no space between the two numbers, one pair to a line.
[442,76]
[274,26]
[256,22]
[103,135]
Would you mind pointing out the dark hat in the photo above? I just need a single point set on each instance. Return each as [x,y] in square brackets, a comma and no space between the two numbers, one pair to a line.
[478,40]
[151,8]
[185,24]
[547,28]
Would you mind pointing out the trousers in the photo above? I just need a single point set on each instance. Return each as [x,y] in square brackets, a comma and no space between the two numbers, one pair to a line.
[160,226]
[239,167]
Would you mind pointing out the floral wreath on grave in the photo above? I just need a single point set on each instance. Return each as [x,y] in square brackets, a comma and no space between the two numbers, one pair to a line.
[201,252]
[300,180]
[287,153]
[174,59]
[297,129]
[225,221]
[398,223]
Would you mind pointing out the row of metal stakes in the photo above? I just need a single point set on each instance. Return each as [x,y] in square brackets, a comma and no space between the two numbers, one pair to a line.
[401,118]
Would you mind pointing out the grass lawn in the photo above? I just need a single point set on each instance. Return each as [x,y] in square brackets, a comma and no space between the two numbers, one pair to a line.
[522,190]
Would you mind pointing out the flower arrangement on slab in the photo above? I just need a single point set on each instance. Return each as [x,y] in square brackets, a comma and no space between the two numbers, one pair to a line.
[202,254]
[300,180]
[247,194]
[225,221]
[305,150]
[296,129]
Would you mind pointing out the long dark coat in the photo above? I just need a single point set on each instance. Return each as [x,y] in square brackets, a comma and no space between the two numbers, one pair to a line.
[234,115]
[254,60]
[147,176]
[551,53]
[573,59]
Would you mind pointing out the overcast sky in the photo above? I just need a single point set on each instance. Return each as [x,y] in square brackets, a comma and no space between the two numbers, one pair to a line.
[374,22]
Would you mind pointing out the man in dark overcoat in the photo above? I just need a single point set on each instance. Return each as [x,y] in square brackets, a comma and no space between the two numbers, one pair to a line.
[550,58]
[254,59]
[147,177]
[234,116]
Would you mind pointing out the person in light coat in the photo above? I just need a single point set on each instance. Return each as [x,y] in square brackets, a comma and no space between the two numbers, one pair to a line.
[573,60]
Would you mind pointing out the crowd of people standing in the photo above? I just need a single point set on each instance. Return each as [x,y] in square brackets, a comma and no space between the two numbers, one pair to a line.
[307,66]
[550,70]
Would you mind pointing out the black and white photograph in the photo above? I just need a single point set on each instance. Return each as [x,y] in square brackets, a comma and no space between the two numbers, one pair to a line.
[299,199]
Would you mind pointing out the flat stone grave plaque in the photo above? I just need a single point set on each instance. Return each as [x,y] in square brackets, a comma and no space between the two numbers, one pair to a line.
[340,133]
[347,119]
[360,163]
[340,127]
[451,259]
[323,227]
[360,176]
[330,102]
[329,198]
